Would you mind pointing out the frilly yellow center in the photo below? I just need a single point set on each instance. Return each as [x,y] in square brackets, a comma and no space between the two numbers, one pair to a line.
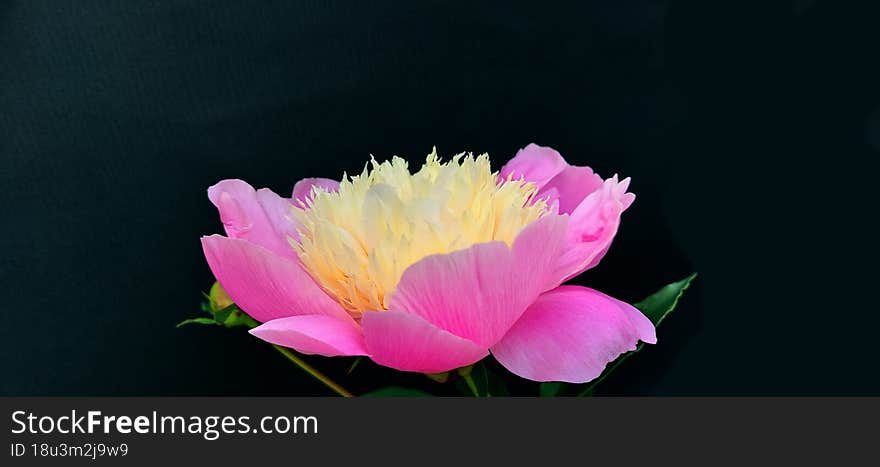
[357,242]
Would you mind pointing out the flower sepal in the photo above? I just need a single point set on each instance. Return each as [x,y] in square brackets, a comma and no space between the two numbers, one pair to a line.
[222,310]
[439,377]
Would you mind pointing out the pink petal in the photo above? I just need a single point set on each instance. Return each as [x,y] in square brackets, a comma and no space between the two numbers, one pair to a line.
[303,188]
[551,197]
[537,250]
[406,342]
[570,334]
[479,292]
[314,334]
[243,216]
[644,327]
[279,211]
[553,176]
[263,284]
[571,186]
[537,164]
[592,228]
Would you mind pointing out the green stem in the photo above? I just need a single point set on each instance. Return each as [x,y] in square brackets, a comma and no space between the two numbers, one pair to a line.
[312,371]
[471,384]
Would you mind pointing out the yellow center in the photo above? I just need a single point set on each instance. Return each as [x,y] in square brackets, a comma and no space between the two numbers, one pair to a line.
[357,242]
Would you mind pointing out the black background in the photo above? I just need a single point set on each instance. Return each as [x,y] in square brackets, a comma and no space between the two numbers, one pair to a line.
[750,130]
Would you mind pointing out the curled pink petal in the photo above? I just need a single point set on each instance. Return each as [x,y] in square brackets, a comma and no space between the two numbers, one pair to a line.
[303,188]
[243,215]
[536,164]
[570,334]
[314,334]
[592,228]
[265,285]
[594,205]
[555,179]
[571,186]
[479,292]
[407,342]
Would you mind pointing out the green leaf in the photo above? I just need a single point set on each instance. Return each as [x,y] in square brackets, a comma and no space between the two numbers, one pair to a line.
[396,391]
[197,321]
[656,307]
[551,389]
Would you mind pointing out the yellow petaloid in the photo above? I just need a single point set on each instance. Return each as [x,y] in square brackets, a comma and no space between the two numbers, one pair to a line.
[357,242]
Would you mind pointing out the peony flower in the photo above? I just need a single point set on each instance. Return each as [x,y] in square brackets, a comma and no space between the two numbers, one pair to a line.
[433,270]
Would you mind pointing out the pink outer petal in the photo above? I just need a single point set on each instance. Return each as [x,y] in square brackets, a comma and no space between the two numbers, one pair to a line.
[314,334]
[537,164]
[479,292]
[592,228]
[644,327]
[406,342]
[279,211]
[570,334]
[263,284]
[243,215]
[303,188]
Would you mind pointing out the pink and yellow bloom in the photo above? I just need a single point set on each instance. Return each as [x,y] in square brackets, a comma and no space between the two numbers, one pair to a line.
[433,270]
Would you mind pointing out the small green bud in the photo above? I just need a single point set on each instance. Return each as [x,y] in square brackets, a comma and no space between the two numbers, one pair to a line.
[218,298]
[439,377]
